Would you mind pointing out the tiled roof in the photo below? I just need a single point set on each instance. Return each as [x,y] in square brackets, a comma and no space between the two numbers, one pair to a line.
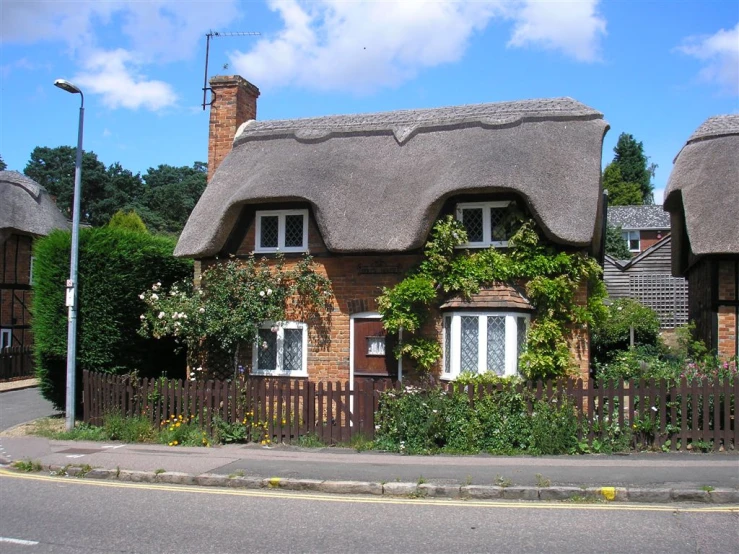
[498,296]
[638,217]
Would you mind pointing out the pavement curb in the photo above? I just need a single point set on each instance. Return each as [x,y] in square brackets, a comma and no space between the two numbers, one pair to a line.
[607,494]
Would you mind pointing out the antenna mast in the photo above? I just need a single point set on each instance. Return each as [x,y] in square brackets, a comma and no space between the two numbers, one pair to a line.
[208,36]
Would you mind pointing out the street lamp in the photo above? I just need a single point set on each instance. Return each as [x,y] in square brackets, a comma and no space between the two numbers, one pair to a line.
[72,282]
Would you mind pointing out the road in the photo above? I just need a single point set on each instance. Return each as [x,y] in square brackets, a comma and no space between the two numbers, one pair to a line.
[65,515]
[19,406]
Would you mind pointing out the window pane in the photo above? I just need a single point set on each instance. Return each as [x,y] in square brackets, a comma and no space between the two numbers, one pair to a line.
[496,344]
[269,228]
[292,356]
[520,334]
[294,231]
[469,344]
[447,345]
[472,221]
[267,350]
[498,231]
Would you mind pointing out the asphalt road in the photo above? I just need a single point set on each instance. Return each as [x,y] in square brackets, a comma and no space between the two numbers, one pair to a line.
[20,406]
[42,514]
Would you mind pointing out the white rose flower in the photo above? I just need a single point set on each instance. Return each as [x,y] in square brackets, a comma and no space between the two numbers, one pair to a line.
[202,310]
[269,292]
[154,297]
[142,317]
[141,296]
[261,293]
[161,315]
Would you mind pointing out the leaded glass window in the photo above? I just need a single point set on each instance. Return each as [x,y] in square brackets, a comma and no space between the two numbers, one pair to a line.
[267,350]
[469,346]
[294,230]
[487,223]
[282,230]
[292,354]
[496,344]
[472,219]
[280,349]
[270,229]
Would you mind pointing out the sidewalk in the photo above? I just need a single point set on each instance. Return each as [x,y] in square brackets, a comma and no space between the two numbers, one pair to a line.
[6,386]
[665,477]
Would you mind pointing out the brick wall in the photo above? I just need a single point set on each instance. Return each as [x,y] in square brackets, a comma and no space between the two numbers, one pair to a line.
[650,237]
[700,309]
[234,102]
[357,281]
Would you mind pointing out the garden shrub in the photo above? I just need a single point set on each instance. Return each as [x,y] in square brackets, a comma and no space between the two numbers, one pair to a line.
[611,333]
[115,265]
[554,427]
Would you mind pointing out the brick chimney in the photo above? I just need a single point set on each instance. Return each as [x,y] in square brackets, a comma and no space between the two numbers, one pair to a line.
[234,102]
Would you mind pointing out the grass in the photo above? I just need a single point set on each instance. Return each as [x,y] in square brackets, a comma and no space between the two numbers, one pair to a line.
[309,441]
[27,465]
[503,482]
[543,482]
[708,488]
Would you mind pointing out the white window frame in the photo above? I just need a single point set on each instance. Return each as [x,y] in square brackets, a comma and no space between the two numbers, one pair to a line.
[486,231]
[279,371]
[455,328]
[6,338]
[633,234]
[281,215]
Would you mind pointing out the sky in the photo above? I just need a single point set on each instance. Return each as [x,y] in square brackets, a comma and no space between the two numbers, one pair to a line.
[655,68]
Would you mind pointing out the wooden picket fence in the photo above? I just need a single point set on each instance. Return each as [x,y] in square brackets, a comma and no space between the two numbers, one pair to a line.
[16,362]
[660,414]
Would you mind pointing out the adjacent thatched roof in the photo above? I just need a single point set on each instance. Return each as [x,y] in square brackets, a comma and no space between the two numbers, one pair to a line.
[376,182]
[638,217]
[25,206]
[703,192]
[499,296]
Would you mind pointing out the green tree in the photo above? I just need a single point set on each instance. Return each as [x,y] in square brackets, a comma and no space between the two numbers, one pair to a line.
[128,220]
[630,159]
[171,194]
[620,192]
[3,165]
[616,246]
[53,168]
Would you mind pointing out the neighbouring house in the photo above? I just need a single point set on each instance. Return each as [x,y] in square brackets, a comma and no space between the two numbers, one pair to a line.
[647,276]
[361,194]
[26,213]
[702,198]
[641,226]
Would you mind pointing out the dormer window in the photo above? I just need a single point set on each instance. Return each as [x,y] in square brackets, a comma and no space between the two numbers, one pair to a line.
[281,230]
[633,240]
[487,223]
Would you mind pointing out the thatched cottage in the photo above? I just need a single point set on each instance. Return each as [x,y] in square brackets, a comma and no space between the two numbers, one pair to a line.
[703,197]
[362,192]
[26,212]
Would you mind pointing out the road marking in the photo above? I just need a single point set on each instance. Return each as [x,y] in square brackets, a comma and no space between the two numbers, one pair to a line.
[18,541]
[75,456]
[296,495]
[113,446]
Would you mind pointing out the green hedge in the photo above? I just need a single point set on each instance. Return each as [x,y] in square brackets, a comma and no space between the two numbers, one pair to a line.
[115,266]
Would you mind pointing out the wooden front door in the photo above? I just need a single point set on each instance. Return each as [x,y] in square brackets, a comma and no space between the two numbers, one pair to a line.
[373,349]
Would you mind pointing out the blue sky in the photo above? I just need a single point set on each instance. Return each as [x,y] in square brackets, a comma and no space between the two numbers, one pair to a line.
[656,69]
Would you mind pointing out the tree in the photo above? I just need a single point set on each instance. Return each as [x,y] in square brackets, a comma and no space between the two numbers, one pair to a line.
[53,168]
[620,192]
[616,246]
[171,194]
[3,165]
[128,220]
[630,160]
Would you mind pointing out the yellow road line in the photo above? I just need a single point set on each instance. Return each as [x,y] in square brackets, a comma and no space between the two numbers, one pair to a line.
[298,495]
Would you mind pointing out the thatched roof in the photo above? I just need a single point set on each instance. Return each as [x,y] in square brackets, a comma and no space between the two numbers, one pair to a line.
[703,192]
[376,182]
[25,206]
[638,217]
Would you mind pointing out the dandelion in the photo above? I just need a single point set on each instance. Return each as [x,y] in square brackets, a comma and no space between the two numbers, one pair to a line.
[175,443]
[177,424]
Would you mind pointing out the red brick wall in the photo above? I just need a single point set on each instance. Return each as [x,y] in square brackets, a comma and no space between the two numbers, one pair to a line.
[649,238]
[357,281]
[234,102]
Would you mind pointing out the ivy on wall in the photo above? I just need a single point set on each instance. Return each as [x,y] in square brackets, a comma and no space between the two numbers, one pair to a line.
[552,278]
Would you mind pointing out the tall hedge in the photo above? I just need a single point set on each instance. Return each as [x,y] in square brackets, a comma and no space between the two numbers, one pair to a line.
[115,266]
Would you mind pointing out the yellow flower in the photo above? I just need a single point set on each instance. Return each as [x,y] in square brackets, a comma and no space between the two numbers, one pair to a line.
[170,444]
[175,443]
[171,427]
[177,424]
[179,416]
[172,416]
[264,442]
[283,422]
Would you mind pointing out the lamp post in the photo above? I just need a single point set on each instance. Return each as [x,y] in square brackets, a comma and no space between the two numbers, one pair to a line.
[72,282]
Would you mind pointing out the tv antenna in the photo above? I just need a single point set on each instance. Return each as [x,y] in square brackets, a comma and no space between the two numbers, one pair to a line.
[208,36]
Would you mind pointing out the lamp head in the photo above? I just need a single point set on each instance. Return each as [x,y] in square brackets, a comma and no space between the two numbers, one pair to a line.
[66,85]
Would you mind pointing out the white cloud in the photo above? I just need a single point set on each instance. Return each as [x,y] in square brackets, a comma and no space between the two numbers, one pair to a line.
[720,52]
[363,45]
[153,32]
[575,28]
[115,75]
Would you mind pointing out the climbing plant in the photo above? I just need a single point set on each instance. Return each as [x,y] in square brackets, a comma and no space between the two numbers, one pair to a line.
[552,279]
